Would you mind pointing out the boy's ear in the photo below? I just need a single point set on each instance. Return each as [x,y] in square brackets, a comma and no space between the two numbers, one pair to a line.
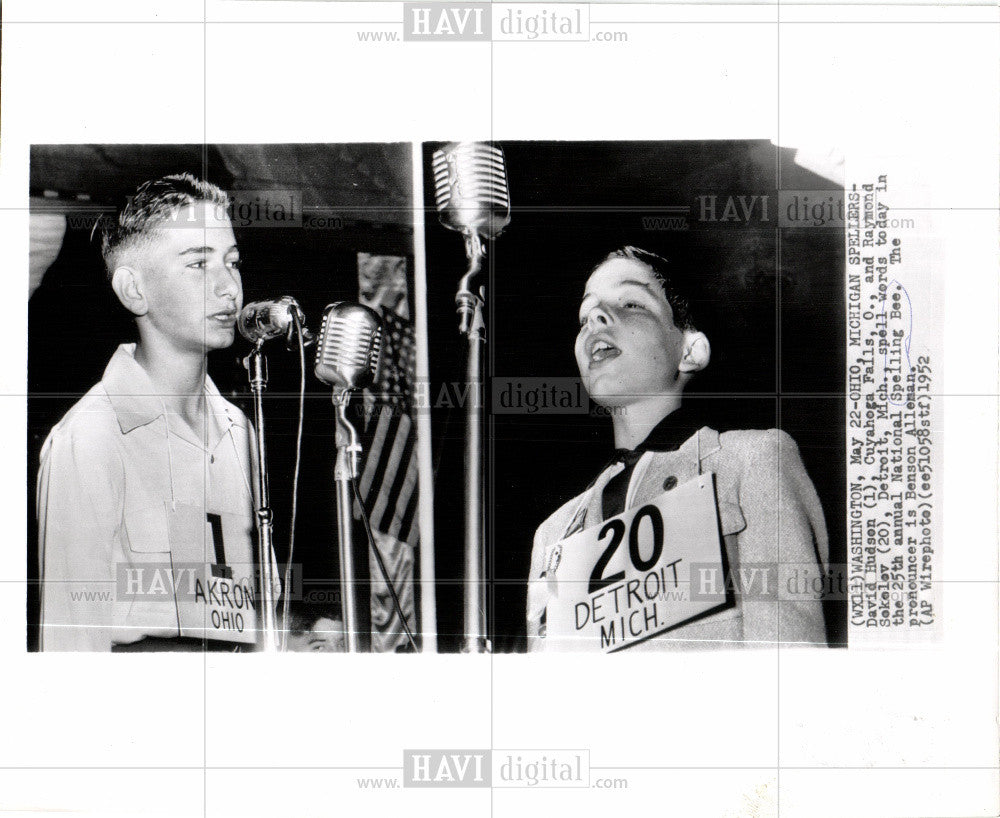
[127,284]
[697,352]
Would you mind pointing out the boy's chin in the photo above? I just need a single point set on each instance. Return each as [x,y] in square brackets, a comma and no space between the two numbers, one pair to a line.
[220,340]
[610,400]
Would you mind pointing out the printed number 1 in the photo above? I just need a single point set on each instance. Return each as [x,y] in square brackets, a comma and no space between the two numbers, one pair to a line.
[220,569]
[617,530]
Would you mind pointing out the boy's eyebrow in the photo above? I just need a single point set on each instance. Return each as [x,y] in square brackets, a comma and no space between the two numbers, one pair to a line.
[632,281]
[205,250]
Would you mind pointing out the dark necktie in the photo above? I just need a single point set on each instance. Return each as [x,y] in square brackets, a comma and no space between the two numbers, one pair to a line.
[667,436]
[615,492]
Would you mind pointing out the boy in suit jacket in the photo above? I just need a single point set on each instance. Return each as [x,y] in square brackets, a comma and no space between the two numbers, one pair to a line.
[637,349]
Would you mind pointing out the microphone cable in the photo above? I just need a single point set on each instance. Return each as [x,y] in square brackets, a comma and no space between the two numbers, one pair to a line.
[295,479]
[381,564]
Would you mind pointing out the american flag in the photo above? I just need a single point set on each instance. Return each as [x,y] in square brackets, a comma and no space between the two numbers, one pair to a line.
[389,470]
[388,481]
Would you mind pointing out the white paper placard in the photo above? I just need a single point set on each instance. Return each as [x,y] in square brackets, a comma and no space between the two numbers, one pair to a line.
[628,579]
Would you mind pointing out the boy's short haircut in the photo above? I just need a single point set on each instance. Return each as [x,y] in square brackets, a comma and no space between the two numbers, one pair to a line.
[302,616]
[662,271]
[153,203]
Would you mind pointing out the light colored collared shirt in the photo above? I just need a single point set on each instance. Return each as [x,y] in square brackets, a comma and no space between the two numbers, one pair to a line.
[145,529]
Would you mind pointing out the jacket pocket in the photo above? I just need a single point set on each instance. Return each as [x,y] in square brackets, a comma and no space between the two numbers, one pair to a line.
[731,517]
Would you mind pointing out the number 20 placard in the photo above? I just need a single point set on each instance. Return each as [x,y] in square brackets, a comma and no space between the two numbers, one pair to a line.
[628,579]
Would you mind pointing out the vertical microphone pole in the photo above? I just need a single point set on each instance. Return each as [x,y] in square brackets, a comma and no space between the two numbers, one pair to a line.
[345,470]
[470,311]
[472,198]
[348,352]
[256,366]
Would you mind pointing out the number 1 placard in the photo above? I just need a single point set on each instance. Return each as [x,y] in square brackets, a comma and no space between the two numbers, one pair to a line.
[629,579]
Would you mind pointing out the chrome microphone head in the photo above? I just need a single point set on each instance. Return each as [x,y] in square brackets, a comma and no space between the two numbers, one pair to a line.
[264,320]
[349,346]
[470,188]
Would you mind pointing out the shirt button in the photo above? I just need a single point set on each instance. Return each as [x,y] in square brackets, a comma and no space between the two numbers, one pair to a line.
[670,483]
[211,459]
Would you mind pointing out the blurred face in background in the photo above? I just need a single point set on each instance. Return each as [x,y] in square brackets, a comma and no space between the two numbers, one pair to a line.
[325,636]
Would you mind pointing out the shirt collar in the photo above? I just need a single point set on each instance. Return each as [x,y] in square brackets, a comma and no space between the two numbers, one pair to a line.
[135,402]
[667,436]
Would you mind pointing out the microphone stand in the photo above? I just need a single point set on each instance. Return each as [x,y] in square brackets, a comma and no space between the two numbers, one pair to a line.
[256,366]
[345,471]
[471,324]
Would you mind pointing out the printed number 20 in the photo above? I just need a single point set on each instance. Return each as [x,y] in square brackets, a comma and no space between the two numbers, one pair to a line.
[617,529]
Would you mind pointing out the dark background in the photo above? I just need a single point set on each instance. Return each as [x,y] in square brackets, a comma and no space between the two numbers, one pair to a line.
[776,329]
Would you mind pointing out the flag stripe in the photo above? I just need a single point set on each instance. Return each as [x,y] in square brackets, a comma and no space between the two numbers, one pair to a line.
[406,521]
[380,453]
[394,465]
[402,472]
[406,493]
[375,449]
[388,463]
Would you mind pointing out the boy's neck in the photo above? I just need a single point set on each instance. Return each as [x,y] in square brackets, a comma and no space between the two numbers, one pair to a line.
[635,421]
[178,380]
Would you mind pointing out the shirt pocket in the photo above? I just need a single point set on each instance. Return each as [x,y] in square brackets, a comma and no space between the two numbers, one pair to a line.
[146,528]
